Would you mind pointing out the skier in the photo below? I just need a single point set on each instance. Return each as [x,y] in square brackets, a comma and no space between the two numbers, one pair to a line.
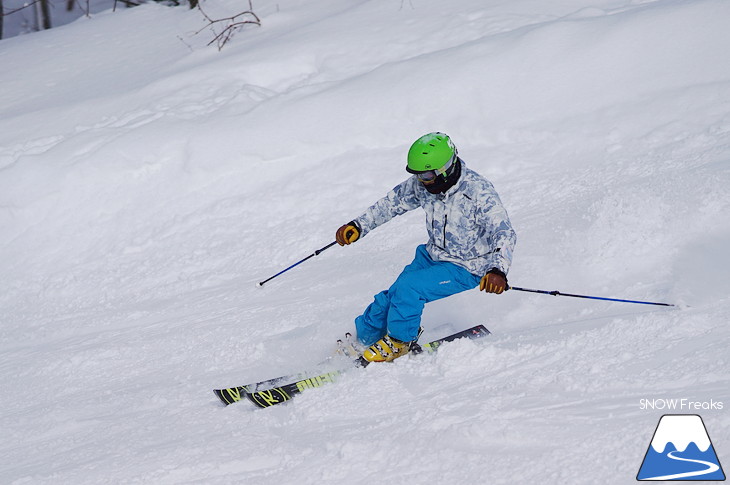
[470,243]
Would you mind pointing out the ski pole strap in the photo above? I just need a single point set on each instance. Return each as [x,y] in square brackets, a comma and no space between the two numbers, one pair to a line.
[557,293]
[316,253]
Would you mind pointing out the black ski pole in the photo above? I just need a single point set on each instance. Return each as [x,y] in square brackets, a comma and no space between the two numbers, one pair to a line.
[316,253]
[557,293]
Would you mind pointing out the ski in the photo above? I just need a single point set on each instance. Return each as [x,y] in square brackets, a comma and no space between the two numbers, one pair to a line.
[272,391]
[235,394]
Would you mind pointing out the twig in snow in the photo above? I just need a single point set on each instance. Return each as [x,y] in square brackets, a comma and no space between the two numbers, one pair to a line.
[234,24]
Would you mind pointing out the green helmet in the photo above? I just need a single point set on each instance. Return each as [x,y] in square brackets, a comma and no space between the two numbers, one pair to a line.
[430,152]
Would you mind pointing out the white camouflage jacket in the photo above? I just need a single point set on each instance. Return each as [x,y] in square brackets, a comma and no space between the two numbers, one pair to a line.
[467,226]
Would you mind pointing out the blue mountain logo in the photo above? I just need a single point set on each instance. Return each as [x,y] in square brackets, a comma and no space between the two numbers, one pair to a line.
[681,450]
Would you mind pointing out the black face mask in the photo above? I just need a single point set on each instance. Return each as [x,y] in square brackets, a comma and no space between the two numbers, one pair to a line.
[446,180]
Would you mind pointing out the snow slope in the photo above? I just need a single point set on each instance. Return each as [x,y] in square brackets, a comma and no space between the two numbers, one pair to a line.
[148,181]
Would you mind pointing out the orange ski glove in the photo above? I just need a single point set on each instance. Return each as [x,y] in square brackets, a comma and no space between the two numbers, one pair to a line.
[493,282]
[348,234]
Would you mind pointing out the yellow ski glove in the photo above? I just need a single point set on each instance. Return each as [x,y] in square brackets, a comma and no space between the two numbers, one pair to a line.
[493,282]
[347,234]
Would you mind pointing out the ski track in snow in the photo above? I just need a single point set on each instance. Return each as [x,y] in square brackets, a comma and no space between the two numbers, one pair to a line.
[147,182]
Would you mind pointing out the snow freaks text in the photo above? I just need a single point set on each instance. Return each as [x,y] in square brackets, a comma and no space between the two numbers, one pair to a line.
[679,404]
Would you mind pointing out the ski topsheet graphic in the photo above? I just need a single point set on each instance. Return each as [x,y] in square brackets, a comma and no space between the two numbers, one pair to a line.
[281,389]
[681,450]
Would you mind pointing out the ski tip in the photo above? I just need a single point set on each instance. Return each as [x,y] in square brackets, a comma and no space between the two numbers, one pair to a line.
[231,395]
[482,330]
[219,395]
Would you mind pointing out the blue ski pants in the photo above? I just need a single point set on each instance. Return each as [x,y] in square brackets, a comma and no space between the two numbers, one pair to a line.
[397,310]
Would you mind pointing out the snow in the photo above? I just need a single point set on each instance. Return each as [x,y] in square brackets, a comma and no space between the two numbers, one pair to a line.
[147,182]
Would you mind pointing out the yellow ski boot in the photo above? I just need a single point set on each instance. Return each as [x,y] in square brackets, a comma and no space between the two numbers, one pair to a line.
[386,350]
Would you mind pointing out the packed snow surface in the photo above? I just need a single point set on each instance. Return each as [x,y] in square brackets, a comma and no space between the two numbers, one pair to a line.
[148,181]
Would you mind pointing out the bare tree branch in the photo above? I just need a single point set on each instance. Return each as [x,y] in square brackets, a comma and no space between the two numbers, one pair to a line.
[25,5]
[232,24]
[127,3]
[42,12]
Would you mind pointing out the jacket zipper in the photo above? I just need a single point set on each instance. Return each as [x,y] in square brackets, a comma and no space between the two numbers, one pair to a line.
[446,218]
